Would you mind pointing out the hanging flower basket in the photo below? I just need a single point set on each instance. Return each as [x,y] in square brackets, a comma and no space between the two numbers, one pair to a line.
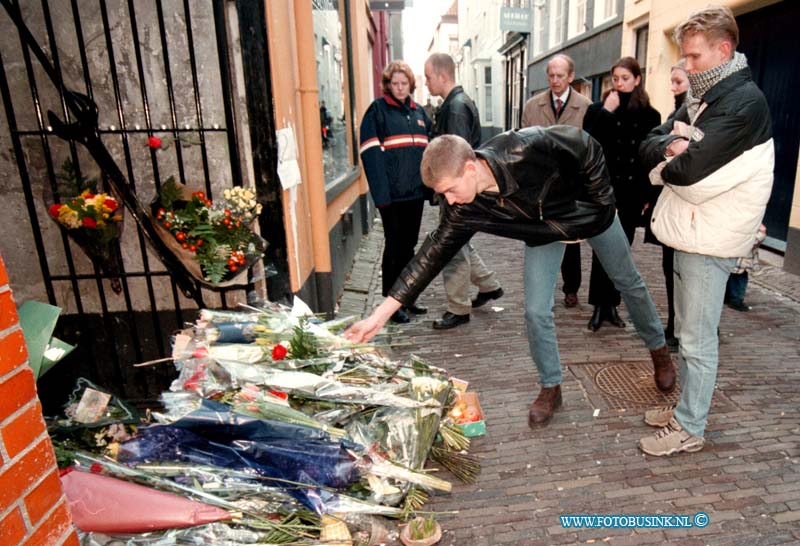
[214,241]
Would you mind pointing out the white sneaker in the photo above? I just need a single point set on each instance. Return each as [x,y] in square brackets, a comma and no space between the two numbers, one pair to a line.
[659,417]
[671,439]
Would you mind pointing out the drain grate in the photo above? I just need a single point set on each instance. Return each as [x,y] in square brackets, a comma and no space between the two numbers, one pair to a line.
[622,385]
[630,385]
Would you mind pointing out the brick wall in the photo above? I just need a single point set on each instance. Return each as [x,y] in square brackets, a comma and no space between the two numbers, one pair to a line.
[33,510]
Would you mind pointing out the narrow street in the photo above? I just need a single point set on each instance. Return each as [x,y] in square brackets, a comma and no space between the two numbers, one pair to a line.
[587,462]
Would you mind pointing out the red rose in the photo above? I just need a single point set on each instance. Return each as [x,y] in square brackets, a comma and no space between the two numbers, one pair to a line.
[89,223]
[279,352]
[96,468]
[154,142]
[110,204]
[54,210]
[279,394]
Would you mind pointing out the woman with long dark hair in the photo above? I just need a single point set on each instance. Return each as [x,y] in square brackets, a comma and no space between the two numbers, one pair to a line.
[393,135]
[620,122]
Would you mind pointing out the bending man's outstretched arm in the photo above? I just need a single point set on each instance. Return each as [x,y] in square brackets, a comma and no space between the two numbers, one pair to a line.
[364,330]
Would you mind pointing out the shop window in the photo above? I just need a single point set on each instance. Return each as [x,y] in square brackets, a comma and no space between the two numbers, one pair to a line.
[604,10]
[557,19]
[577,18]
[539,21]
[334,77]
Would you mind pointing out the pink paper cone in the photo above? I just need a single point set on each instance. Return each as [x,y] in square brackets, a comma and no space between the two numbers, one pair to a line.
[108,505]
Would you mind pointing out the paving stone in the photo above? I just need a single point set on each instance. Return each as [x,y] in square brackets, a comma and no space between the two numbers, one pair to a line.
[747,479]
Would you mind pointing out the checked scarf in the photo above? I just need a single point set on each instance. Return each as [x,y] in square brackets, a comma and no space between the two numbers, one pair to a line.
[700,83]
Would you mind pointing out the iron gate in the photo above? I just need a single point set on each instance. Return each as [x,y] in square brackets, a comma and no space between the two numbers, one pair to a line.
[157,68]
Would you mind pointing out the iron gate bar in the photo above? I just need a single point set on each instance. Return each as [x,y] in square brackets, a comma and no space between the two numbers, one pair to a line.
[227,97]
[107,323]
[49,166]
[16,143]
[227,93]
[108,326]
[84,129]
[170,95]
[128,163]
[154,163]
[138,131]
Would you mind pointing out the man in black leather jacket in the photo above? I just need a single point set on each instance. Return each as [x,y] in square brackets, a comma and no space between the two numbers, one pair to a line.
[458,116]
[543,186]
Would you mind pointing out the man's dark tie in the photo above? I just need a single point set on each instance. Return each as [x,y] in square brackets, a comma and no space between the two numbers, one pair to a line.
[559,108]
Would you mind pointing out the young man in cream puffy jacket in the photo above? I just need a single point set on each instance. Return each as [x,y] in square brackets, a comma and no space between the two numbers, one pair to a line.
[715,157]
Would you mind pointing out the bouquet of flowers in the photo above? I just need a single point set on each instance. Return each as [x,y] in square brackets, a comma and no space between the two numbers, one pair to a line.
[214,241]
[92,219]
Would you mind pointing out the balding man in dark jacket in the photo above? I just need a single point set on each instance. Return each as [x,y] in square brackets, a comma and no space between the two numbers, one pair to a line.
[544,186]
[458,116]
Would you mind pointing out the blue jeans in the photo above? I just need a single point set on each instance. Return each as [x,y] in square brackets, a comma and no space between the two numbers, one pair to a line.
[699,291]
[542,264]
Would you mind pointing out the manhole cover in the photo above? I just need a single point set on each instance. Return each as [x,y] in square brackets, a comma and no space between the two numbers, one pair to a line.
[630,384]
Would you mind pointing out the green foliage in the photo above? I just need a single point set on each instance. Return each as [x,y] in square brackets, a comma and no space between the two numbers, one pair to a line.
[169,194]
[420,528]
[303,343]
[71,184]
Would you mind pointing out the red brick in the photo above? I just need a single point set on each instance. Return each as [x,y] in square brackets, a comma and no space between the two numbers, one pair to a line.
[72,540]
[3,274]
[8,310]
[52,528]
[23,430]
[12,527]
[13,351]
[43,497]
[17,391]
[19,476]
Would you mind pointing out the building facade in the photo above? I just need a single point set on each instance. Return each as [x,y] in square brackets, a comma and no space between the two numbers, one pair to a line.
[479,63]
[769,39]
[589,31]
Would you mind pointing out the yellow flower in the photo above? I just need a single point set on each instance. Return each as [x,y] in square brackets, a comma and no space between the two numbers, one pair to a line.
[69,217]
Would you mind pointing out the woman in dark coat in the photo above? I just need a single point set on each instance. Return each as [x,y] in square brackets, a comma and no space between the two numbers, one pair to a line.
[393,136]
[679,85]
[620,122]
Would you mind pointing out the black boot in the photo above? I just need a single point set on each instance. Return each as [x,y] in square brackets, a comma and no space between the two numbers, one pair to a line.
[450,320]
[613,317]
[597,319]
[415,309]
[400,317]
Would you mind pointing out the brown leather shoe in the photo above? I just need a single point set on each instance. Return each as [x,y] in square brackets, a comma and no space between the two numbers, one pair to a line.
[663,369]
[543,407]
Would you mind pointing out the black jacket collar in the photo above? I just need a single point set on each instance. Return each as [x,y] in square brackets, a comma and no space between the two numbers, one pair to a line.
[727,85]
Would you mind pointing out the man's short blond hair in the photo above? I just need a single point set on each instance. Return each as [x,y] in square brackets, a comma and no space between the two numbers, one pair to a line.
[715,22]
[444,157]
[442,63]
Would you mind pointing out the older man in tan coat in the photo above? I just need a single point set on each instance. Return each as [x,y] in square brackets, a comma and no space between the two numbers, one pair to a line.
[561,105]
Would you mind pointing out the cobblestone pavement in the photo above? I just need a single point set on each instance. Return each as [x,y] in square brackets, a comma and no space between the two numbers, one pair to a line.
[586,461]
